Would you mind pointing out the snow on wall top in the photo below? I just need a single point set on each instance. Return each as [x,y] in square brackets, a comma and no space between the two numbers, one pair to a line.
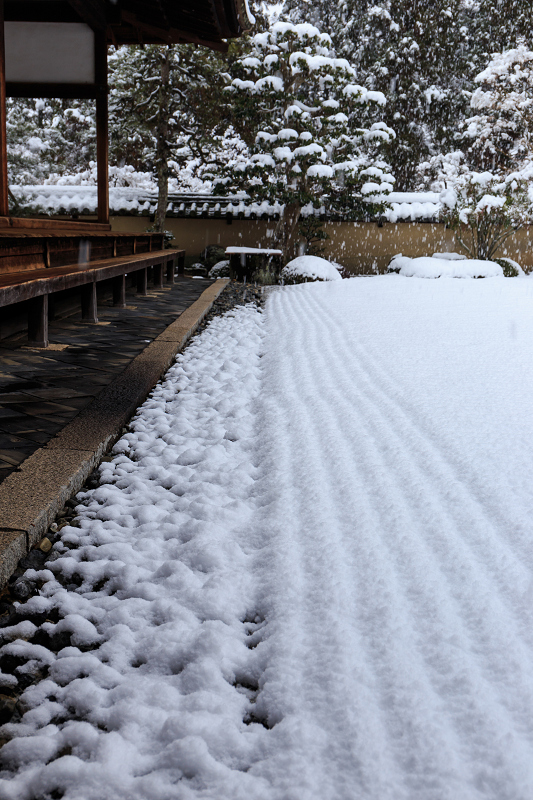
[412,206]
[124,200]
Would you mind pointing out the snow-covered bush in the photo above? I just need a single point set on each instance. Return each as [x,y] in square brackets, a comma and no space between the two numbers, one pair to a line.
[306,269]
[511,269]
[220,270]
[212,254]
[308,148]
[432,267]
[484,209]
[312,232]
[485,185]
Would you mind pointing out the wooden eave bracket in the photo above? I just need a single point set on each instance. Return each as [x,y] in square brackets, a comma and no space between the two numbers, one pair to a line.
[92,12]
[170,36]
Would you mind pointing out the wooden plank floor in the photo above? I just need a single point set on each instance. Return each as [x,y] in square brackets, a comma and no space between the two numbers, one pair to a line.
[19,286]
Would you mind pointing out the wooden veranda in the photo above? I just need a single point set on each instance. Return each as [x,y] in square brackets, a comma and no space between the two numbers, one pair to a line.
[58,48]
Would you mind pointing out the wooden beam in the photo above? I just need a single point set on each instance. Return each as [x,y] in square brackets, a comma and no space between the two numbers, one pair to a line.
[92,12]
[89,311]
[69,91]
[37,11]
[142,281]
[172,35]
[182,36]
[170,270]
[102,127]
[162,13]
[38,321]
[158,276]
[4,180]
[220,11]
[119,291]
[153,30]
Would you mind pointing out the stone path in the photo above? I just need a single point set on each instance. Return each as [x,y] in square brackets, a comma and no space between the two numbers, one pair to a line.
[42,390]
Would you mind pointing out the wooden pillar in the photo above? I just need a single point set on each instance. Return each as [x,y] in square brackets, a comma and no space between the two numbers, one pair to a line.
[170,270]
[38,321]
[142,281]
[181,264]
[102,125]
[4,196]
[158,276]
[89,303]
[119,291]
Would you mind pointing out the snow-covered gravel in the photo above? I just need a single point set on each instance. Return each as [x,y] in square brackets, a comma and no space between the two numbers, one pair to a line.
[309,574]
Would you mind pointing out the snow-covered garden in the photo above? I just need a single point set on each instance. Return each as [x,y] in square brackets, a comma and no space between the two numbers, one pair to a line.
[307,571]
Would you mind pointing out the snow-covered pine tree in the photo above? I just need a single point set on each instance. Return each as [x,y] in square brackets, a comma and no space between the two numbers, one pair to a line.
[499,25]
[340,19]
[308,148]
[500,135]
[416,52]
[165,107]
[48,138]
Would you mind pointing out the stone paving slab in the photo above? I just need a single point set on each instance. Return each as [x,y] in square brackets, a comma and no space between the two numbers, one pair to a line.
[34,491]
[41,390]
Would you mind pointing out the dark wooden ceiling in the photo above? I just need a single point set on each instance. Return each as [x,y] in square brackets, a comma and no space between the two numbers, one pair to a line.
[206,22]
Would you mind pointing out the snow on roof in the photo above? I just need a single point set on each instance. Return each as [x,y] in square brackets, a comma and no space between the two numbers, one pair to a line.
[412,206]
[126,200]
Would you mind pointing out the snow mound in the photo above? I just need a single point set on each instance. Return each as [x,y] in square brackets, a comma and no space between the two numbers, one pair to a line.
[219,270]
[431,267]
[311,268]
[450,256]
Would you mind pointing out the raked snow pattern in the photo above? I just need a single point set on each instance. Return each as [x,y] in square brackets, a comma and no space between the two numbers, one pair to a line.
[309,573]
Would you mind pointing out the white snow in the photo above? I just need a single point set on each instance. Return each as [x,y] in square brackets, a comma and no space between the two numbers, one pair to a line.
[320,171]
[444,267]
[249,13]
[412,206]
[450,256]
[323,520]
[164,554]
[253,251]
[142,199]
[312,267]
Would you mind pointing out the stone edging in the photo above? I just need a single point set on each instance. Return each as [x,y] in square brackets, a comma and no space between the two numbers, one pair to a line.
[31,497]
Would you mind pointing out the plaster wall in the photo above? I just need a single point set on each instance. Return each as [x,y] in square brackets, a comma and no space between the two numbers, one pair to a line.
[363,247]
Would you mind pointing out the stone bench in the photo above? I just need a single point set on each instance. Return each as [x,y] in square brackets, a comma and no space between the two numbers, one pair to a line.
[239,260]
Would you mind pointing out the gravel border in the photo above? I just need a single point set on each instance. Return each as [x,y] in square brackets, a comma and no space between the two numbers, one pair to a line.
[20,588]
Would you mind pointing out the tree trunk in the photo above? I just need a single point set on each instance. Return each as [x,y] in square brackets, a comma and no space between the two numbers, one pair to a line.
[286,229]
[162,146]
